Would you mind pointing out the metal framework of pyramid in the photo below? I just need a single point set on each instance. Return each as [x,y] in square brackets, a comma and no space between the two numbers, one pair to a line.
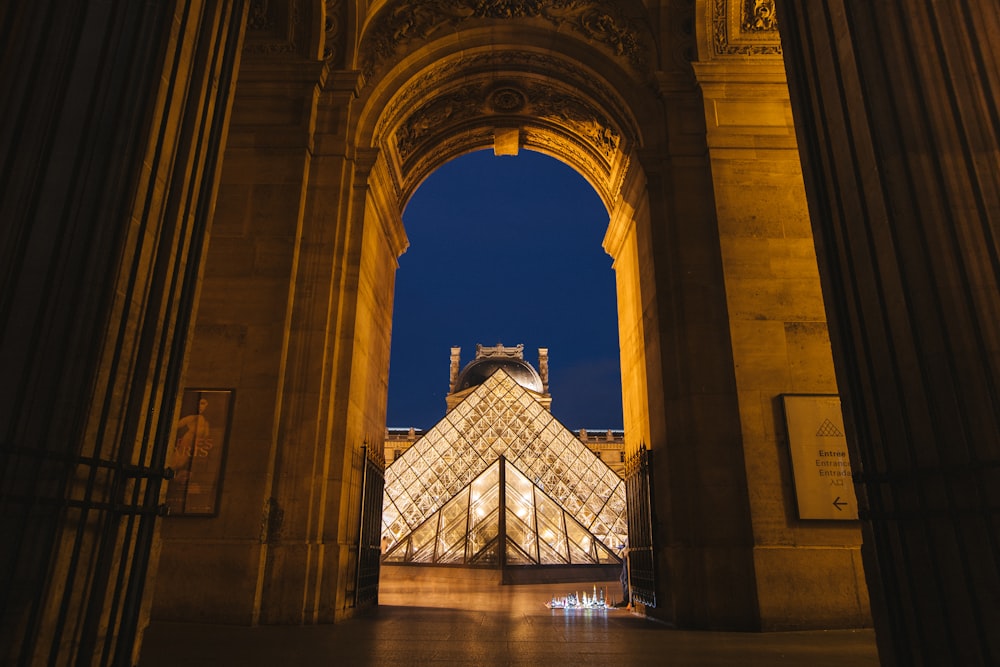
[562,504]
[501,513]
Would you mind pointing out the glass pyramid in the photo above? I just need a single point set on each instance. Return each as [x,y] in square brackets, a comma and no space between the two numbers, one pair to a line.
[451,474]
[501,512]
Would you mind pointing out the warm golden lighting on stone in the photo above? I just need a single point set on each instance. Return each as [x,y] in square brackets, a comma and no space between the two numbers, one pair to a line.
[506,141]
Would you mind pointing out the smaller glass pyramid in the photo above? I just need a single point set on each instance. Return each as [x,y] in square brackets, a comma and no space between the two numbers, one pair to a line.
[501,512]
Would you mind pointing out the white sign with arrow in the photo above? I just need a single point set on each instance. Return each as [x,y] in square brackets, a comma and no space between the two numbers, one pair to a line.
[821,468]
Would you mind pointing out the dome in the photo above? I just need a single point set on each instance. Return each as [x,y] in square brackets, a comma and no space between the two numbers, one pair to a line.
[477,370]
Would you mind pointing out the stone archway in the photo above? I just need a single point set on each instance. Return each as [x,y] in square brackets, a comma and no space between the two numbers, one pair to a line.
[533,80]
[507,87]
[321,160]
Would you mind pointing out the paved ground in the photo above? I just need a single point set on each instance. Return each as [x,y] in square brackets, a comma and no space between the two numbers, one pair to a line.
[454,623]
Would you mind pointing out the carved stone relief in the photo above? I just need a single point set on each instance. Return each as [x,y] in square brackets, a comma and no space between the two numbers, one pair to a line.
[576,115]
[272,27]
[512,65]
[745,27]
[399,23]
[444,149]
[759,16]
[607,180]
[507,100]
[448,108]
[334,20]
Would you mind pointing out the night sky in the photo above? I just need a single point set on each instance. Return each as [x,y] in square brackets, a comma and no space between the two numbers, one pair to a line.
[506,250]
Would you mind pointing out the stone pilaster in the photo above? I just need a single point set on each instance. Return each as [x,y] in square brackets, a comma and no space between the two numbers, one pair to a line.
[246,339]
[678,389]
[808,572]
[896,113]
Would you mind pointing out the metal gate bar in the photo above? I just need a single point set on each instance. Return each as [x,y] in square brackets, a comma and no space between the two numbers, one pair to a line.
[370,529]
[641,552]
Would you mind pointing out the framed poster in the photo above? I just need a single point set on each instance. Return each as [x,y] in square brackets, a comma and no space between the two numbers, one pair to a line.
[821,468]
[198,451]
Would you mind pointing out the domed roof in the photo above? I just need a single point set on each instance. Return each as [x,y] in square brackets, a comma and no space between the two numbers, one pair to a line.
[477,370]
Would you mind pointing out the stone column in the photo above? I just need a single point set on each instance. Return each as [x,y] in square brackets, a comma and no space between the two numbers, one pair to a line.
[896,111]
[543,368]
[296,317]
[698,459]
[679,392]
[249,339]
[808,572]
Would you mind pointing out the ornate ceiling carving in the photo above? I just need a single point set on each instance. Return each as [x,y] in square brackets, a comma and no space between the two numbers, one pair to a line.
[506,65]
[745,27]
[457,104]
[529,101]
[549,118]
[602,22]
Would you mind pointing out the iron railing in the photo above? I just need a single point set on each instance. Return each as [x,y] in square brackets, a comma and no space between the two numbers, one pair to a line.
[370,529]
[641,548]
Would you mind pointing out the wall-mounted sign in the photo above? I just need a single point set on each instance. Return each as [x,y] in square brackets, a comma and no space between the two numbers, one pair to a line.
[821,468]
[198,452]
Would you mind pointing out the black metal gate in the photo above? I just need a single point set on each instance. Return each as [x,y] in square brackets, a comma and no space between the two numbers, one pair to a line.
[370,529]
[641,553]
[99,519]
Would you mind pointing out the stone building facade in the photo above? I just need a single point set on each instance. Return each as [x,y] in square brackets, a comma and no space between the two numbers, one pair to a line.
[803,198]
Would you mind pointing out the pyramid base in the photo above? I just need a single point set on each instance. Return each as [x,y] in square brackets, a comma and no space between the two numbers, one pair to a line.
[509,576]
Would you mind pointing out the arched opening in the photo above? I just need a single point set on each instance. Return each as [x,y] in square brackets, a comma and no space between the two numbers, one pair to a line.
[506,249]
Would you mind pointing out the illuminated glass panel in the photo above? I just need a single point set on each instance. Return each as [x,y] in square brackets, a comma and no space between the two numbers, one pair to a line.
[422,543]
[516,556]
[581,544]
[521,534]
[453,529]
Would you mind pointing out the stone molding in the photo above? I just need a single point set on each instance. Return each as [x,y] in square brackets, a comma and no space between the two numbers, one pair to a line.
[457,105]
[744,28]
[551,118]
[600,21]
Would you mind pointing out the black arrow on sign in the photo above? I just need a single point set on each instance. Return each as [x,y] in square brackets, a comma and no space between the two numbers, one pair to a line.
[837,502]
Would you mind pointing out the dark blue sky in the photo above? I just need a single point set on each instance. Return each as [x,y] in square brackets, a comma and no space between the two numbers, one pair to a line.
[506,249]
